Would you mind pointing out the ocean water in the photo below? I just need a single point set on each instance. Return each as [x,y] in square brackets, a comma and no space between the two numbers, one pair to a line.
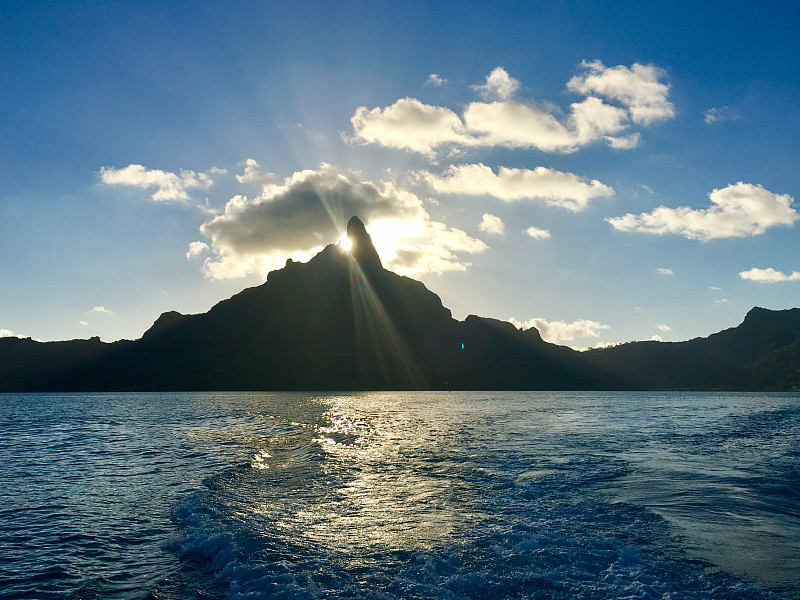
[400,495]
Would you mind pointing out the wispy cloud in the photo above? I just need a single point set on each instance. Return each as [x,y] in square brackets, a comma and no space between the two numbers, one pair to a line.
[560,331]
[100,309]
[723,113]
[195,249]
[738,210]
[434,79]
[504,121]
[663,327]
[556,188]
[492,224]
[664,271]
[769,275]
[169,187]
[310,209]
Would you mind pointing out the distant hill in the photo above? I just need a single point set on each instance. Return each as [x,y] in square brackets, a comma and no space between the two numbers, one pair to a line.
[763,353]
[343,322]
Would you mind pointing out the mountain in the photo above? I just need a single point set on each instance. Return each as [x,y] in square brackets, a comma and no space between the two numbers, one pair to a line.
[343,322]
[763,353]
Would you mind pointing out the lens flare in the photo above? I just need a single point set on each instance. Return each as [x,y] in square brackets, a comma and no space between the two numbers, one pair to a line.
[380,345]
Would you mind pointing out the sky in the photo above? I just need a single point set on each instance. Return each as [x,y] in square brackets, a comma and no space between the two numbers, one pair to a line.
[605,172]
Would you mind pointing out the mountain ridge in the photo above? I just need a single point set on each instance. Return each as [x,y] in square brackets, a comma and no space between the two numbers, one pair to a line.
[342,322]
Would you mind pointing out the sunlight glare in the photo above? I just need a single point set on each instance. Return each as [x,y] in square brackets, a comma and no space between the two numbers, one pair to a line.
[345,243]
[389,235]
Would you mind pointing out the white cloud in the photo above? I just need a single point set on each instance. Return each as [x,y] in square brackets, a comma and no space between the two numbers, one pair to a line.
[422,246]
[738,210]
[538,234]
[656,338]
[83,323]
[602,344]
[662,327]
[715,288]
[514,124]
[664,271]
[434,79]
[100,309]
[556,188]
[311,208]
[723,113]
[169,186]
[499,85]
[625,143]
[558,331]
[7,333]
[721,301]
[408,124]
[769,275]
[492,224]
[252,174]
[500,121]
[195,249]
[593,119]
[638,88]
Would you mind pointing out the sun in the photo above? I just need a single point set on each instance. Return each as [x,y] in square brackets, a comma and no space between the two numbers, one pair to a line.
[345,243]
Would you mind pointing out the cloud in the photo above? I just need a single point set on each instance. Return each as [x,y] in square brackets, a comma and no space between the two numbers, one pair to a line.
[738,210]
[7,333]
[83,323]
[434,79]
[558,331]
[556,188]
[310,209]
[100,309]
[492,224]
[721,301]
[409,124]
[169,186]
[625,143]
[715,288]
[638,88]
[514,124]
[664,271]
[769,275]
[538,234]
[656,338]
[662,327]
[499,85]
[723,113]
[195,249]
[252,174]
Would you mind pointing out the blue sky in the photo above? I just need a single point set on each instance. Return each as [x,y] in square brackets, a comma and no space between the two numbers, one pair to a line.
[605,173]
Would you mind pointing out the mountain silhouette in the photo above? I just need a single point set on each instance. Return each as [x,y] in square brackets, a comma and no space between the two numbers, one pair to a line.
[343,322]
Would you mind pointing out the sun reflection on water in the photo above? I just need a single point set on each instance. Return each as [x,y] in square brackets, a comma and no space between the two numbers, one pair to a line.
[384,486]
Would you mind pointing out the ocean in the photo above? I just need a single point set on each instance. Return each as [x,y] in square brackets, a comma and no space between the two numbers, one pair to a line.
[451,495]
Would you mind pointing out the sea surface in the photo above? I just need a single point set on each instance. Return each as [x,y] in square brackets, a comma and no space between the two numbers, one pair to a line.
[445,495]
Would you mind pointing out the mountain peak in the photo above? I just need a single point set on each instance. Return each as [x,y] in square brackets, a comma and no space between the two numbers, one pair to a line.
[362,248]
